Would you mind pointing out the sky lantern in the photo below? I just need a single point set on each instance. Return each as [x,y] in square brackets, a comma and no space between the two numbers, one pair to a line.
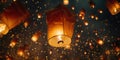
[65,2]
[113,6]
[100,42]
[82,14]
[92,4]
[13,42]
[36,36]
[12,16]
[60,23]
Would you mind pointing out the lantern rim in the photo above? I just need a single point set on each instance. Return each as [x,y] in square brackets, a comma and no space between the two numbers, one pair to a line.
[59,41]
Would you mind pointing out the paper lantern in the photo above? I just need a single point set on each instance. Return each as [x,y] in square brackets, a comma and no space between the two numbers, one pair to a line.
[12,16]
[3,1]
[60,23]
[92,4]
[82,14]
[113,6]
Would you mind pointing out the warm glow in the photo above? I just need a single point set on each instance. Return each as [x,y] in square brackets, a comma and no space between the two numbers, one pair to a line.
[65,2]
[100,42]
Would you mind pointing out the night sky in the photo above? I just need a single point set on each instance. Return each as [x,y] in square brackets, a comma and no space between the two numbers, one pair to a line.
[99,39]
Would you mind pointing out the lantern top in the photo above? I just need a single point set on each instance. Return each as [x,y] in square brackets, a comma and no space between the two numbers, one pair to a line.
[59,13]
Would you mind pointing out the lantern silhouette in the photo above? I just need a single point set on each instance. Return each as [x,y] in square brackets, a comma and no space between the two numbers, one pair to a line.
[113,6]
[12,16]
[60,23]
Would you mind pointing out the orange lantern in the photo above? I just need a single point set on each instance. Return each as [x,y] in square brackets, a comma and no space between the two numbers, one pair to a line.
[113,6]
[92,4]
[12,16]
[13,43]
[3,1]
[60,26]
[65,2]
[82,14]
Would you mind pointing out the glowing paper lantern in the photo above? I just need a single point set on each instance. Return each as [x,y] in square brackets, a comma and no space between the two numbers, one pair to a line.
[12,16]
[82,14]
[20,51]
[36,36]
[13,43]
[60,27]
[3,1]
[113,6]
[92,4]
[100,42]
[100,11]
[65,2]
[39,15]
